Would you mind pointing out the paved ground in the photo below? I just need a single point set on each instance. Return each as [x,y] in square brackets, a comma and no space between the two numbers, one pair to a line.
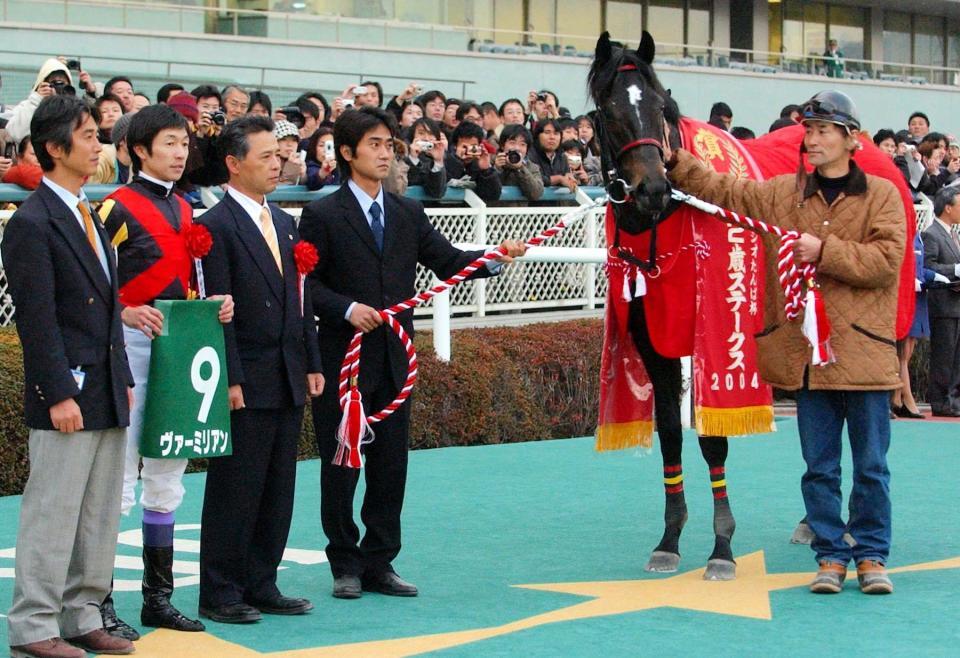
[537,549]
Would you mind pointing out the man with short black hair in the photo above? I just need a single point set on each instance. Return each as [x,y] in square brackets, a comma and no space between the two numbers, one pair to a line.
[147,222]
[941,247]
[273,366]
[121,87]
[62,277]
[369,242]
[167,91]
[434,103]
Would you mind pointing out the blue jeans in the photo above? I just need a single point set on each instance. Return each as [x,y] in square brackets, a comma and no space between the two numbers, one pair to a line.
[820,417]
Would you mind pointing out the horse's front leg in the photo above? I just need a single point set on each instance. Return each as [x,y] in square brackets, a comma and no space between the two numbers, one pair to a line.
[721,565]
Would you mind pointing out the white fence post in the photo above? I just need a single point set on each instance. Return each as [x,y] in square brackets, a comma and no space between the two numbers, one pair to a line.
[441,324]
[480,236]
[590,241]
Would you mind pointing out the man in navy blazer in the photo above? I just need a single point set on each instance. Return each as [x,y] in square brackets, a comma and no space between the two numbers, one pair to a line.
[62,276]
[273,365]
[369,242]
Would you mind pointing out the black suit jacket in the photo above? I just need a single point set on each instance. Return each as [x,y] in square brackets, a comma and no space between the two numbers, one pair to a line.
[940,254]
[67,314]
[270,346]
[352,269]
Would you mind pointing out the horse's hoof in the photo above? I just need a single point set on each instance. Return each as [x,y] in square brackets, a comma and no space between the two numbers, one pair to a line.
[663,562]
[720,570]
[802,535]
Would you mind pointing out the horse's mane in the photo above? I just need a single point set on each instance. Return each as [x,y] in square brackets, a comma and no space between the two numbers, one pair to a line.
[601,76]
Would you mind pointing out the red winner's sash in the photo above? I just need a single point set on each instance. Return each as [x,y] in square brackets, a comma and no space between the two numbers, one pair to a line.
[704,299]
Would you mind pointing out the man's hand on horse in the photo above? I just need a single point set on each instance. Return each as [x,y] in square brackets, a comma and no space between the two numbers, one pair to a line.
[807,248]
[514,249]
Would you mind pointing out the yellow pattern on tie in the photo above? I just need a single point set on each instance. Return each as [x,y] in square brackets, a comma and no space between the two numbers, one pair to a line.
[88,226]
[270,235]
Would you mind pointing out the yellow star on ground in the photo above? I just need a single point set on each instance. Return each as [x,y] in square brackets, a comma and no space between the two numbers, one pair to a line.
[747,596]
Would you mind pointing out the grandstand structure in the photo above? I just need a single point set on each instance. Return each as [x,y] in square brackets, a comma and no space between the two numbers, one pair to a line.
[757,56]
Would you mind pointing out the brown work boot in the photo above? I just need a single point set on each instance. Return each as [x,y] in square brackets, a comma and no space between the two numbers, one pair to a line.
[829,578]
[101,642]
[55,647]
[873,577]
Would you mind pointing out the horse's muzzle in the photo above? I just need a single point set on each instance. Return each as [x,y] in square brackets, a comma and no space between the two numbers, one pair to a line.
[653,195]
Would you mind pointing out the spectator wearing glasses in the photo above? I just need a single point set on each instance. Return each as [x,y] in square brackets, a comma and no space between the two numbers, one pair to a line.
[513,165]
[511,112]
[260,104]
[236,102]
[425,157]
[471,161]
[434,104]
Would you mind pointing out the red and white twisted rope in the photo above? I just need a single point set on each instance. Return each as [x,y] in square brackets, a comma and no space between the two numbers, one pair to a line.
[355,428]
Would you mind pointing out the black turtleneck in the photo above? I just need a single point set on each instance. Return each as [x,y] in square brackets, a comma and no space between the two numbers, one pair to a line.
[832,187]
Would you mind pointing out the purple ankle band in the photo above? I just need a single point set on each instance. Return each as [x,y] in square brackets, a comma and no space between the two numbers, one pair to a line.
[157,518]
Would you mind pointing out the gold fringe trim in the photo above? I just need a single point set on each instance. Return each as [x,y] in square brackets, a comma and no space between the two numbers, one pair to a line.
[620,436]
[738,421]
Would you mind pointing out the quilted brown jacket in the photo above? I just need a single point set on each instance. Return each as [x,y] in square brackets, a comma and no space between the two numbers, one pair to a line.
[863,233]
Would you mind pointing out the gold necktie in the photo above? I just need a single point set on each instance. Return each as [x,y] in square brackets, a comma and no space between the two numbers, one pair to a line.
[88,226]
[270,235]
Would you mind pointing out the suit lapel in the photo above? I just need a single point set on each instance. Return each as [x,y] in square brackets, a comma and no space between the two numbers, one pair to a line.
[391,221]
[950,243]
[253,240]
[356,219]
[286,241]
[66,223]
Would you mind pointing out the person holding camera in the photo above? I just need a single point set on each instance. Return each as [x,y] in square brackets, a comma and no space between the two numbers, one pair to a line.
[584,167]
[471,162]
[542,105]
[206,128]
[293,165]
[512,163]
[321,160]
[54,78]
[23,170]
[404,99]
[425,157]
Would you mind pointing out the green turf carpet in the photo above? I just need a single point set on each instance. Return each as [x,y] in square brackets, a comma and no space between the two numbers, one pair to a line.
[479,522]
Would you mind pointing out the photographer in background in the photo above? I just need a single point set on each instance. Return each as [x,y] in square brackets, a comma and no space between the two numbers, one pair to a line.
[471,162]
[210,120]
[54,78]
[541,106]
[584,167]
[321,160]
[404,98]
[425,157]
[293,167]
[512,164]
[546,153]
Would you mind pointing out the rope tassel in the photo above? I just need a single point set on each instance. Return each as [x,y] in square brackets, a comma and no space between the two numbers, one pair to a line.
[353,431]
[816,327]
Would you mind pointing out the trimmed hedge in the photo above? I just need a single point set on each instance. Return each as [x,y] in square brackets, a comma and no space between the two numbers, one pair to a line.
[503,385]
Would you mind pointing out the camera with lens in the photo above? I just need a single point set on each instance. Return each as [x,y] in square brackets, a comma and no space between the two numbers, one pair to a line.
[74,65]
[514,157]
[218,118]
[474,149]
[424,145]
[61,88]
[294,115]
[542,97]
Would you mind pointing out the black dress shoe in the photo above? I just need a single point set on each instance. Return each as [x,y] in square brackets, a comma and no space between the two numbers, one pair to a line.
[346,587]
[390,584]
[282,605]
[232,613]
[947,413]
[912,414]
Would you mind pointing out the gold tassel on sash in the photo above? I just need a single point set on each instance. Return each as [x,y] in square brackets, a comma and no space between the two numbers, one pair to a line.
[737,421]
[619,436]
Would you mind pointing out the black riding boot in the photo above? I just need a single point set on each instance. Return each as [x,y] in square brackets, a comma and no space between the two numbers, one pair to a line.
[113,624]
[157,610]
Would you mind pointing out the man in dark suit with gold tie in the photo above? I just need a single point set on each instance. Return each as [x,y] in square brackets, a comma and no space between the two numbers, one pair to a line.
[273,365]
[369,242]
[941,248]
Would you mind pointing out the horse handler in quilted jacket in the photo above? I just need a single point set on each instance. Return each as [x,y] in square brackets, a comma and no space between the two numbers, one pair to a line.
[852,227]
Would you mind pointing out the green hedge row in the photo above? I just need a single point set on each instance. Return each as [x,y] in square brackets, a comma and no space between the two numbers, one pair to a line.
[503,385]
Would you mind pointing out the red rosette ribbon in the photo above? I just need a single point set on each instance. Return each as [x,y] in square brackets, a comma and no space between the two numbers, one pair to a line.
[198,241]
[306,257]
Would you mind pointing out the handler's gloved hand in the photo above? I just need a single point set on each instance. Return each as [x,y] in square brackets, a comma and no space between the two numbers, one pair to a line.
[939,278]
[917,286]
[956,270]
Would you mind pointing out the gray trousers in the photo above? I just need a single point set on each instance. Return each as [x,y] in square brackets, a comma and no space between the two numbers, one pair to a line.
[69,517]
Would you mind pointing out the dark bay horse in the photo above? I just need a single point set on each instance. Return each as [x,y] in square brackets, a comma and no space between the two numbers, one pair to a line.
[633,109]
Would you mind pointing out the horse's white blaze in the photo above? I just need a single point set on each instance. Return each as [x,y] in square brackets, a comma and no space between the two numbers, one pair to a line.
[636,95]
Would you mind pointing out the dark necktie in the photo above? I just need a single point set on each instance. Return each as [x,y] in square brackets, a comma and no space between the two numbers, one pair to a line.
[377,224]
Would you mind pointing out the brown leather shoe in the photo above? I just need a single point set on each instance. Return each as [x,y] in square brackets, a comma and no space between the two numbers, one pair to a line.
[829,578]
[101,642]
[873,577]
[55,647]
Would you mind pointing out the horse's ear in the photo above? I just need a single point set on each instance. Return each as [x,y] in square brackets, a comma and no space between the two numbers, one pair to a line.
[647,49]
[604,49]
